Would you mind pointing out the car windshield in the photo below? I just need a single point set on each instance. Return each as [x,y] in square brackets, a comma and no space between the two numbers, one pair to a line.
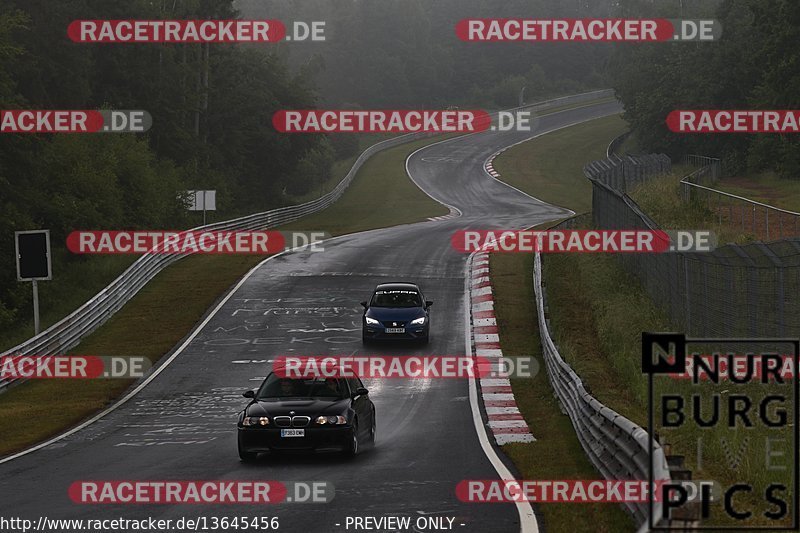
[396,298]
[277,387]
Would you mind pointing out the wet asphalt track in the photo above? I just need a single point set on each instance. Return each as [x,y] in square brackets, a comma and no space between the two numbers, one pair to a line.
[182,424]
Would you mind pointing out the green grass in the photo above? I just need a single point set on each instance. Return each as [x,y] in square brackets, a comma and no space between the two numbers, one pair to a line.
[73,283]
[175,300]
[386,198]
[630,145]
[597,314]
[766,188]
[382,182]
[551,167]
[556,454]
[661,199]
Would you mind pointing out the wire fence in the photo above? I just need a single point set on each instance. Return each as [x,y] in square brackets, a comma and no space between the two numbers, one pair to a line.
[763,221]
[735,291]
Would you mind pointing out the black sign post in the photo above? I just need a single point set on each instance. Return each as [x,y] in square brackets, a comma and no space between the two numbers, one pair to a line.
[33,263]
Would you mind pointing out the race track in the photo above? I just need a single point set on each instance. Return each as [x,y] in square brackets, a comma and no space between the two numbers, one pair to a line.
[182,424]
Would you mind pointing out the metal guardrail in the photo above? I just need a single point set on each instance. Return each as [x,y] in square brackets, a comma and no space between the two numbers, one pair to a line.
[69,331]
[617,447]
[615,143]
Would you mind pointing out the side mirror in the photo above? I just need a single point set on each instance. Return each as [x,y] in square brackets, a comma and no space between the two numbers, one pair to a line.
[364,304]
[428,303]
[361,391]
[249,394]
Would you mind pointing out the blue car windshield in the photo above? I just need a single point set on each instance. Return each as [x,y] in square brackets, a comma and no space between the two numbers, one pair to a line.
[396,298]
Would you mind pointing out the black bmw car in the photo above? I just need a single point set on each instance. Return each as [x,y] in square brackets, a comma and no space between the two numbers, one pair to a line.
[396,311]
[316,414]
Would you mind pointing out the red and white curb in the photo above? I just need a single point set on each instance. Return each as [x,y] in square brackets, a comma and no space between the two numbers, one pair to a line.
[505,421]
[454,213]
[488,165]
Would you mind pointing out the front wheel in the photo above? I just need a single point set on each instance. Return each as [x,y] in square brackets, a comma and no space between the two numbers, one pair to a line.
[372,431]
[246,457]
[353,445]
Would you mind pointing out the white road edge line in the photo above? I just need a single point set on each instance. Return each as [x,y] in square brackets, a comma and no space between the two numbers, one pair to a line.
[161,366]
[491,157]
[528,522]
[452,209]
[527,518]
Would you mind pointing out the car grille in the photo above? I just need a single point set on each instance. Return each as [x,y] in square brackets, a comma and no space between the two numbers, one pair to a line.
[292,421]
[394,324]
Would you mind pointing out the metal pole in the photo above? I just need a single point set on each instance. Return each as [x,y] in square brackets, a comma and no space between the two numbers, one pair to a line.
[522,97]
[204,207]
[35,307]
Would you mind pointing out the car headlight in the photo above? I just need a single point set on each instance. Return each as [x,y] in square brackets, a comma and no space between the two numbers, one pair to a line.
[255,421]
[372,321]
[418,321]
[332,420]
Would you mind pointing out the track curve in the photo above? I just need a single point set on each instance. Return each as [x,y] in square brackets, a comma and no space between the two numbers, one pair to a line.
[182,424]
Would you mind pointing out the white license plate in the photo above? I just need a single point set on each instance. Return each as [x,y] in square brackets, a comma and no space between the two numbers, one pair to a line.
[293,433]
[395,330]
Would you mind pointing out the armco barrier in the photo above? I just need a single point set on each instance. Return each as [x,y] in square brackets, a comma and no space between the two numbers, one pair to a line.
[733,291]
[69,331]
[617,447]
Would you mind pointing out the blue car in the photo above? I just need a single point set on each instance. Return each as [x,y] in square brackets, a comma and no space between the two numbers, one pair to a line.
[396,311]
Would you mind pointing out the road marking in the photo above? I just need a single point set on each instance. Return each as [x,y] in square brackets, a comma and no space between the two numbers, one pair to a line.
[157,370]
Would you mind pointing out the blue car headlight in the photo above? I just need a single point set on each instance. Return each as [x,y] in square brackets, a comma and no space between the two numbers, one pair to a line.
[418,321]
[372,321]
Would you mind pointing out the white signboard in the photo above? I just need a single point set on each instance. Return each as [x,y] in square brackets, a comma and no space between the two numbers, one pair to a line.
[202,200]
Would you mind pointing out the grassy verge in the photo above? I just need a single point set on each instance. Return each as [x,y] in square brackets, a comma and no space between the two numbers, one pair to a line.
[381,182]
[551,167]
[169,306]
[597,313]
[381,196]
[556,454]
[174,300]
[74,284]
[766,188]
[77,281]
[661,199]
